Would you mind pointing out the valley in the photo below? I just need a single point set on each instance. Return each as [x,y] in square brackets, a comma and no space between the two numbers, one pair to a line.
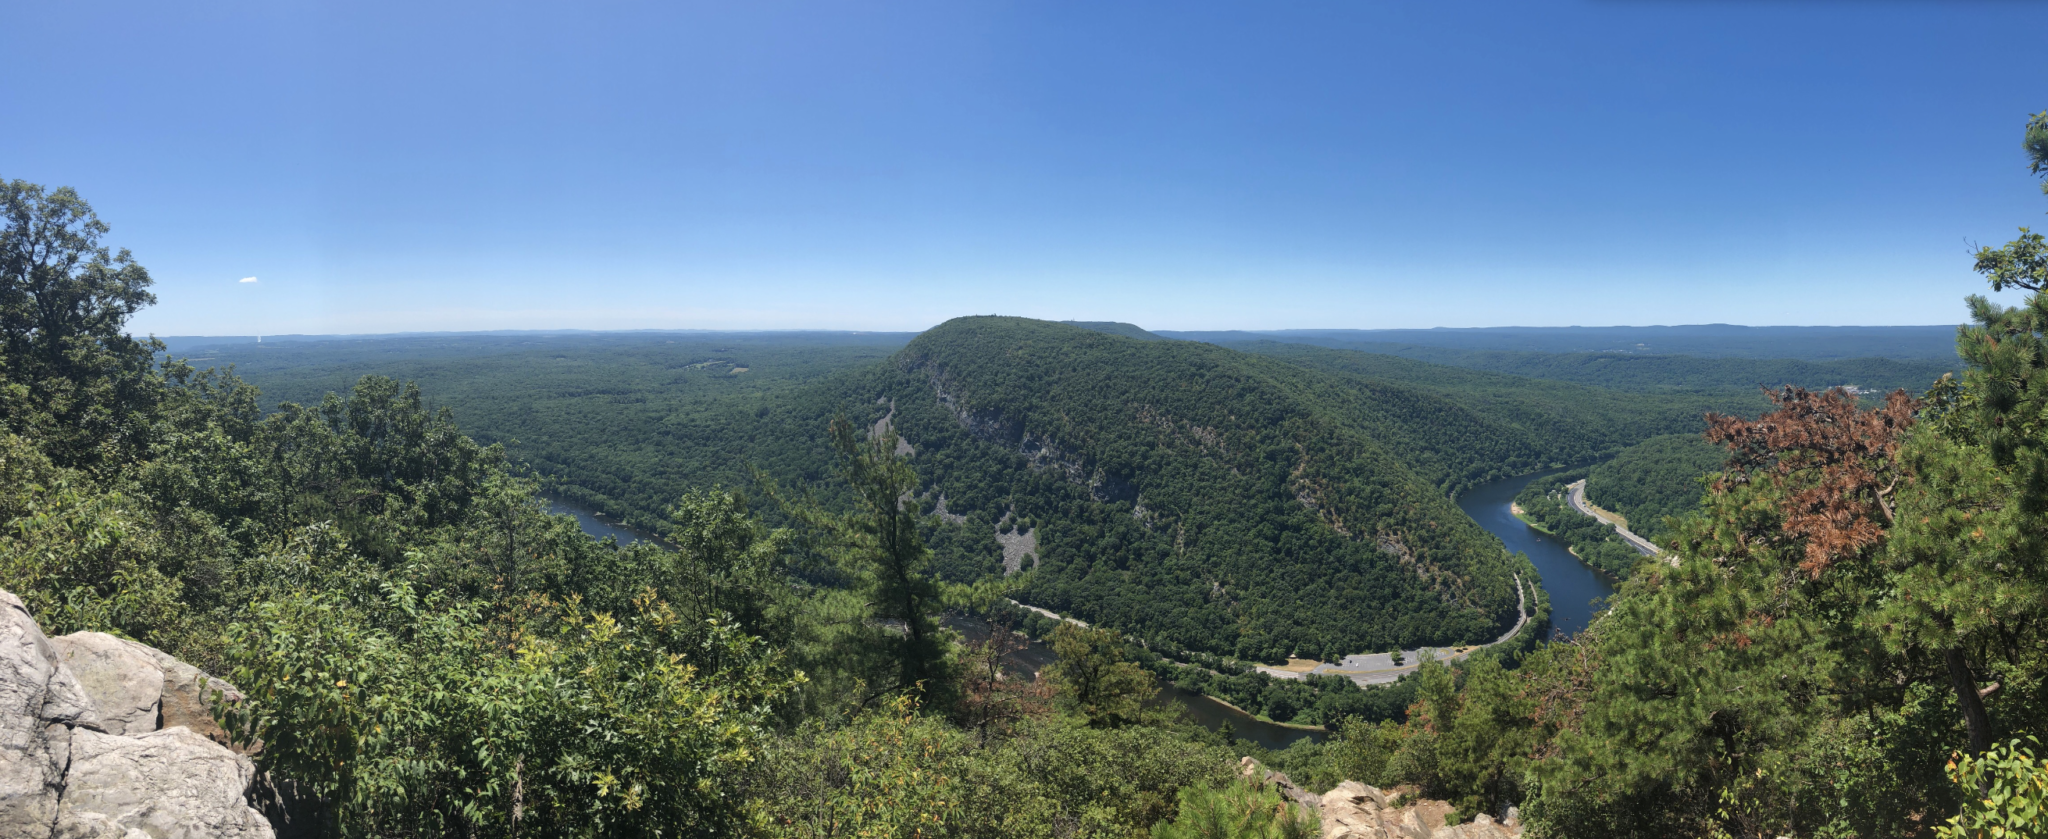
[1024,421]
[1290,500]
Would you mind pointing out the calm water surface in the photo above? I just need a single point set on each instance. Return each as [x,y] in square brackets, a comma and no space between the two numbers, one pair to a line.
[597,526]
[1573,586]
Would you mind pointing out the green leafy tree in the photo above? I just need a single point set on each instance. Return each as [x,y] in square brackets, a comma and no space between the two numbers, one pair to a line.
[416,715]
[1966,561]
[1363,749]
[1485,749]
[73,377]
[1093,681]
[79,556]
[2005,792]
[728,563]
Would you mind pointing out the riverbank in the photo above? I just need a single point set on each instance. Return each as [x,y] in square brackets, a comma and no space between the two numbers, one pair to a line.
[1263,718]
[1366,669]
[1048,613]
[1575,591]
[1202,709]
[1564,588]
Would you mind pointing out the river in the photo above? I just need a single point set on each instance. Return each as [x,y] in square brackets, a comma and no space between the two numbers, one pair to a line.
[1573,589]
[596,525]
[1573,586]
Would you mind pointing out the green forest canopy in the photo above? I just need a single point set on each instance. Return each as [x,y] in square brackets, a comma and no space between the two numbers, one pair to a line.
[622,426]
[1655,480]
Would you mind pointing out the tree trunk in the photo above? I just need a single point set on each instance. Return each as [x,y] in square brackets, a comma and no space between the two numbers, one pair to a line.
[1968,699]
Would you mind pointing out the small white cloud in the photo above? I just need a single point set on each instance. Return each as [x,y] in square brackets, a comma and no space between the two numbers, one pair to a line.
[248,279]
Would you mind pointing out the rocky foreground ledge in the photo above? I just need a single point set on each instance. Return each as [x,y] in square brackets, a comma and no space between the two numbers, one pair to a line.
[1357,811]
[102,738]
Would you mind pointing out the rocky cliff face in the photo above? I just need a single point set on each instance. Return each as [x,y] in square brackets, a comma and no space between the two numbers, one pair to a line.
[1357,811]
[102,738]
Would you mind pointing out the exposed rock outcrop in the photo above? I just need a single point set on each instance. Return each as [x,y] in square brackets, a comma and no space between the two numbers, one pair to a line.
[189,694]
[164,783]
[1357,811]
[138,688]
[85,752]
[40,704]
[126,686]
[1286,786]
[1018,544]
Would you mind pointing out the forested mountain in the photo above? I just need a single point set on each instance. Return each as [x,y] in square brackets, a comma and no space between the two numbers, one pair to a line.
[1568,423]
[1713,340]
[1192,493]
[1199,496]
[1128,330]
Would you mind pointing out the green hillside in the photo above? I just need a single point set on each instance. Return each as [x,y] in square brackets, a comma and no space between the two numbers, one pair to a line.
[1481,426]
[1655,480]
[1194,494]
[1263,504]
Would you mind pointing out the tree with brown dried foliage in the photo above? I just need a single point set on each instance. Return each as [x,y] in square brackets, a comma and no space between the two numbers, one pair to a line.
[1835,467]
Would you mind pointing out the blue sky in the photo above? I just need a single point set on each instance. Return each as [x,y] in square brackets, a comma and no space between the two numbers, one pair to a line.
[887,165]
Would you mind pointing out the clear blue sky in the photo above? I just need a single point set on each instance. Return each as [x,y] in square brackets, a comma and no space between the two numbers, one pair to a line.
[887,165]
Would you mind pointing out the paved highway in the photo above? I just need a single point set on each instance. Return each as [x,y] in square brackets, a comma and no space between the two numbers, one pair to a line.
[1577,496]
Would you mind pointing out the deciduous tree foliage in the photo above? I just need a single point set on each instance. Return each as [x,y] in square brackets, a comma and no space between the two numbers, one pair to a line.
[74,378]
[1094,681]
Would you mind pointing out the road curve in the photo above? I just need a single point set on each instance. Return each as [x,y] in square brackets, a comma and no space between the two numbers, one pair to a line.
[1577,497]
